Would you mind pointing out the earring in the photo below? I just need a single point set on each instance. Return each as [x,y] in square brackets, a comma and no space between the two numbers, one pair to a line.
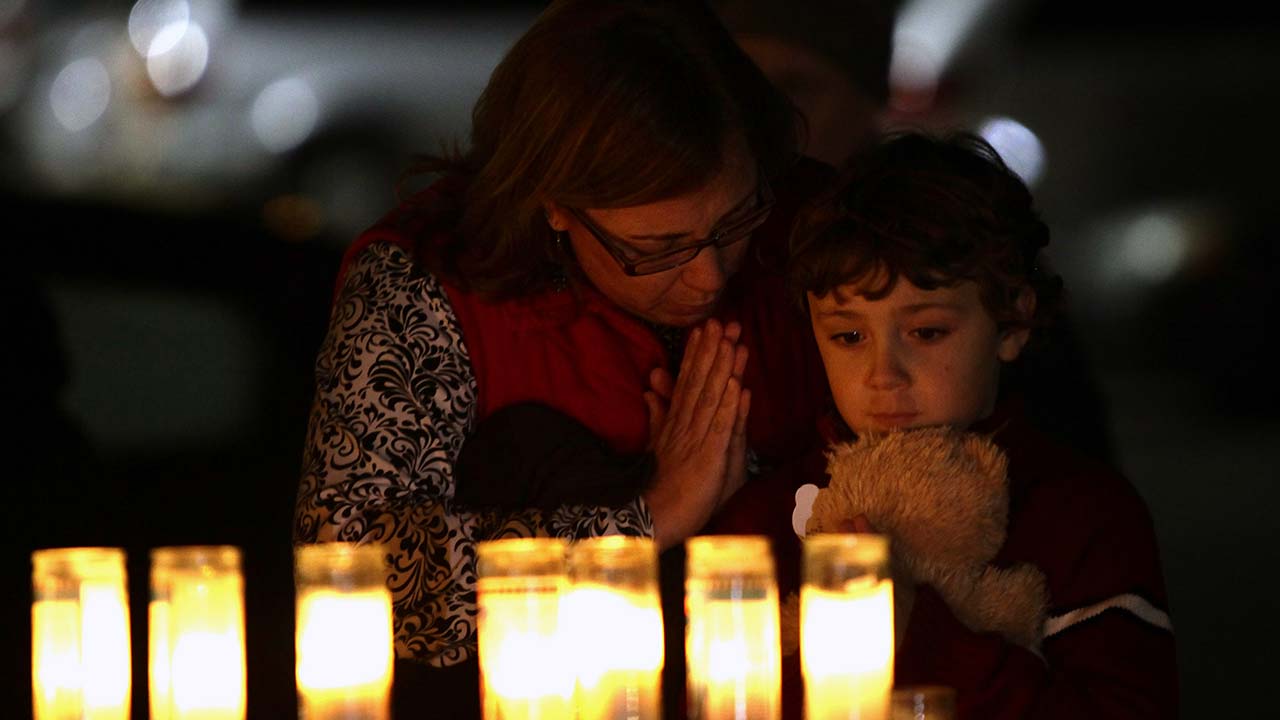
[560,260]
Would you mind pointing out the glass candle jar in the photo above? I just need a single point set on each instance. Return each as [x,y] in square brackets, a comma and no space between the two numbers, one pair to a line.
[344,633]
[525,672]
[80,658]
[197,657]
[734,659]
[613,618]
[846,627]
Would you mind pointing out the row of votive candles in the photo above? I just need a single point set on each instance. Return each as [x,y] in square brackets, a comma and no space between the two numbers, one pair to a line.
[566,630]
[575,629]
[196,665]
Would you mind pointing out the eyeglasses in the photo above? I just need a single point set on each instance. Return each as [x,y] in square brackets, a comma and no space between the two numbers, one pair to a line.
[735,231]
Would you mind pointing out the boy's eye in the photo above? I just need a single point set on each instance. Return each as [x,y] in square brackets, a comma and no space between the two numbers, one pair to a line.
[930,334]
[853,337]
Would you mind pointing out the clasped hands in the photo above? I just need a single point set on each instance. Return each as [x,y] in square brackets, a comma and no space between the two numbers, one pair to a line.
[697,432]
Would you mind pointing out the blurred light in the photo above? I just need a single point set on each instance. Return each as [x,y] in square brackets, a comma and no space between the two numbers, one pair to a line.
[80,656]
[1154,247]
[731,645]
[613,615]
[1020,149]
[914,75]
[926,37]
[149,17]
[10,9]
[178,57]
[284,114]
[916,62]
[524,655]
[80,93]
[343,640]
[846,626]
[197,666]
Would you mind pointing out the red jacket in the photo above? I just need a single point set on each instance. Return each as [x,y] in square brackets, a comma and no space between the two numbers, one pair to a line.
[577,352]
[1109,649]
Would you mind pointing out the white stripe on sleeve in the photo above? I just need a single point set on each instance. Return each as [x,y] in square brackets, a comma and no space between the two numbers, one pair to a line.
[1135,604]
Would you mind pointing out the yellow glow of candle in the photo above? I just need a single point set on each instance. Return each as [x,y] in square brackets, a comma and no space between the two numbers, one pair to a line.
[197,663]
[525,672]
[846,631]
[80,635]
[158,677]
[613,620]
[732,636]
[344,643]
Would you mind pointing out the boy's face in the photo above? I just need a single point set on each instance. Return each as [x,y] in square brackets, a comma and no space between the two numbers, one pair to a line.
[914,358]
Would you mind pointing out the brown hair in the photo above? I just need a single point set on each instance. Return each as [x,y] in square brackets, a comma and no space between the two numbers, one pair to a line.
[602,103]
[936,211]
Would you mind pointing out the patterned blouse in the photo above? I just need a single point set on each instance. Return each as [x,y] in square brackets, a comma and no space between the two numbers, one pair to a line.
[395,400]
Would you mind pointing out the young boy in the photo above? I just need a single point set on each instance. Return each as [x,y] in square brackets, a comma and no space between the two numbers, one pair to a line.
[920,274]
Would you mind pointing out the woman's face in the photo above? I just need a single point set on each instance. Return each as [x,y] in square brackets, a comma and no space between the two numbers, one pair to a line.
[683,295]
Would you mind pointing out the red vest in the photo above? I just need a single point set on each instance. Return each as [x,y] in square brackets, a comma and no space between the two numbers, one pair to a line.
[577,352]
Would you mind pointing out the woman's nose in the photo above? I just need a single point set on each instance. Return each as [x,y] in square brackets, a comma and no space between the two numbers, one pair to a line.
[706,272]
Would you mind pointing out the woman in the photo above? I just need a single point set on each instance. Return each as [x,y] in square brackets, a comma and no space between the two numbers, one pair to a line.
[631,177]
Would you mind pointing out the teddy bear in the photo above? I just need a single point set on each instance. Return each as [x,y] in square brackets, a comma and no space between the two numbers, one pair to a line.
[941,496]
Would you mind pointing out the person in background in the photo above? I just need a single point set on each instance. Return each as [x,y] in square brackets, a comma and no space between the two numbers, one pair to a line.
[922,275]
[610,247]
[831,59]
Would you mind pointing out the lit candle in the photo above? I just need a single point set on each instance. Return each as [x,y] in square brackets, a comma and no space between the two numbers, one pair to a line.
[613,619]
[734,659]
[524,671]
[344,646]
[197,663]
[846,627]
[80,661]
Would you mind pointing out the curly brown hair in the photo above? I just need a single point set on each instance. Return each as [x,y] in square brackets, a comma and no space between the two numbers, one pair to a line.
[935,210]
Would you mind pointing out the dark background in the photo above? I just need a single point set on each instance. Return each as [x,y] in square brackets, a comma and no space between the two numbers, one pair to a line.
[159,352]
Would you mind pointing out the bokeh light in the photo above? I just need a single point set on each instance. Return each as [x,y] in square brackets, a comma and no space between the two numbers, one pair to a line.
[178,57]
[80,93]
[284,114]
[149,17]
[926,38]
[1018,146]
[1153,247]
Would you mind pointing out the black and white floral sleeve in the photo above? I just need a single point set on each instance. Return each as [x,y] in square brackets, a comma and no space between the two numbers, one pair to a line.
[395,398]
